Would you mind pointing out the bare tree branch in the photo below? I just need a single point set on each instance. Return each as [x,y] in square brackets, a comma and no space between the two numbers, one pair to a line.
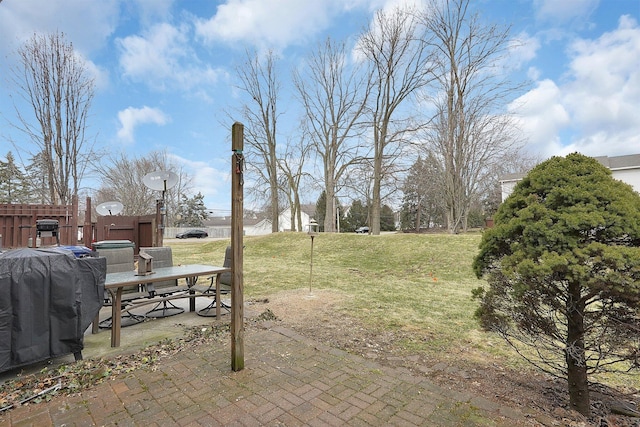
[334,96]
[396,48]
[259,80]
[54,80]
[470,132]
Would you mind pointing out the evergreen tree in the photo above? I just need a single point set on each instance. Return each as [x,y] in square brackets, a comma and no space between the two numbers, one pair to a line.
[37,179]
[563,267]
[14,187]
[357,216]
[321,209]
[422,188]
[192,211]
[387,219]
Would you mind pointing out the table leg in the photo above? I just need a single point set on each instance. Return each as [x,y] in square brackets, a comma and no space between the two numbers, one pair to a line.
[116,318]
[218,298]
[95,325]
[192,300]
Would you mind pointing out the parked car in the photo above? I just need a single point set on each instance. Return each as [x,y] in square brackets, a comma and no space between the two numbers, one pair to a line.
[362,230]
[192,233]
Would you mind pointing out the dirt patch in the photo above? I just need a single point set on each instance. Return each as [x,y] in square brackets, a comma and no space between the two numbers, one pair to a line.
[318,316]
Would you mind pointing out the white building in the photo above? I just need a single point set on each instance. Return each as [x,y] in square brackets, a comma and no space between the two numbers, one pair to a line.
[284,223]
[623,168]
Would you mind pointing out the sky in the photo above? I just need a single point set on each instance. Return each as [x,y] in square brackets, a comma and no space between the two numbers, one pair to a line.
[165,70]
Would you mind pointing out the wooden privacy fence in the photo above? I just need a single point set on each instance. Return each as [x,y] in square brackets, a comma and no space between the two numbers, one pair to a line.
[18,224]
[138,229]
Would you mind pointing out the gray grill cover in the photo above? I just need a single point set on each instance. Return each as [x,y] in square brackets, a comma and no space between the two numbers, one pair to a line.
[48,298]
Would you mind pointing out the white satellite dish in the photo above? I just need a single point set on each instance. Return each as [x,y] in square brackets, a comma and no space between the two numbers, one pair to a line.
[160,180]
[109,208]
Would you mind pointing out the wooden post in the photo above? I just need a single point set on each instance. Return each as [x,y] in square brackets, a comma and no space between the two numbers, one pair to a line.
[87,232]
[73,234]
[237,231]
[158,241]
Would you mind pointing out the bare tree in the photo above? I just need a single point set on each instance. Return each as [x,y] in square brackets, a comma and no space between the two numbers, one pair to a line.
[122,182]
[334,96]
[258,79]
[54,81]
[468,133]
[291,164]
[397,50]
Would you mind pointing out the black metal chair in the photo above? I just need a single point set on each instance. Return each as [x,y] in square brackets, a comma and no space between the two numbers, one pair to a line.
[119,260]
[209,289]
[163,257]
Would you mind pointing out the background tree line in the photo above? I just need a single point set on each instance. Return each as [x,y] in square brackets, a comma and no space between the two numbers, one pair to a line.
[418,85]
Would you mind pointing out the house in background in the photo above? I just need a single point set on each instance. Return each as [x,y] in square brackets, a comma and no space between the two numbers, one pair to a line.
[284,222]
[253,225]
[623,168]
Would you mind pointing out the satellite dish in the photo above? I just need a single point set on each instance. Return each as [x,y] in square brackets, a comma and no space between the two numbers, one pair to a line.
[160,180]
[109,208]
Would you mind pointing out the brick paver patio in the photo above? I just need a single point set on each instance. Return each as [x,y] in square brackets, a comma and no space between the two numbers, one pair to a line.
[288,380]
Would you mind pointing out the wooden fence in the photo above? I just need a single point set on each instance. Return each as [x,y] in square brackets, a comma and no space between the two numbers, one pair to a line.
[18,224]
[138,229]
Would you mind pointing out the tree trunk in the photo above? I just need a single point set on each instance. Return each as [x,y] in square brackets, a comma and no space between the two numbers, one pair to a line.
[274,207]
[376,199]
[330,207]
[575,355]
[298,212]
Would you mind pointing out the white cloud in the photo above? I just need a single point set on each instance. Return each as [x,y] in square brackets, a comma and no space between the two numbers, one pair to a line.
[131,117]
[565,11]
[541,116]
[163,59]
[273,24]
[86,24]
[213,183]
[533,73]
[603,90]
[596,102]
[521,50]
[151,10]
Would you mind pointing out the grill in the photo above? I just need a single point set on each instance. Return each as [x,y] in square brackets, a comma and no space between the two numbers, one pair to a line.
[48,228]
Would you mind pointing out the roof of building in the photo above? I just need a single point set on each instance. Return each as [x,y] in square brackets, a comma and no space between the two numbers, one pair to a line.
[630,161]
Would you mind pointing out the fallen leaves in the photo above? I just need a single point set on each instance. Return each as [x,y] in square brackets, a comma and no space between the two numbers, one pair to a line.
[74,377]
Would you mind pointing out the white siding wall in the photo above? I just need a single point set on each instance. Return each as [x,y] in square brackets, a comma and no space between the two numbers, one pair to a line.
[630,176]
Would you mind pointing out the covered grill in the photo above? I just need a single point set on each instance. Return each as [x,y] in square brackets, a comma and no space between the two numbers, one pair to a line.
[48,298]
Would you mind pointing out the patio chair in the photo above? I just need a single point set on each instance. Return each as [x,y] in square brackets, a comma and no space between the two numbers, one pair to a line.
[209,289]
[119,260]
[163,257]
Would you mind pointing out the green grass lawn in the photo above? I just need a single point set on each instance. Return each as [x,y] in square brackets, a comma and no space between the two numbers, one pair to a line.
[420,284]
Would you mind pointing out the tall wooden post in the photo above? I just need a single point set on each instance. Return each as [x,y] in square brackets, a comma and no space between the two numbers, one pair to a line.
[158,241]
[73,235]
[87,229]
[237,231]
